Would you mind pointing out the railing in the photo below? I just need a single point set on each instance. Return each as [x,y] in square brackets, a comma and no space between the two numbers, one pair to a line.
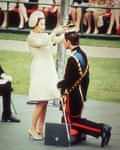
[26,30]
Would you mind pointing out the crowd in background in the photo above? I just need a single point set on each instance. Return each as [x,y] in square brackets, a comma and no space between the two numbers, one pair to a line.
[92,19]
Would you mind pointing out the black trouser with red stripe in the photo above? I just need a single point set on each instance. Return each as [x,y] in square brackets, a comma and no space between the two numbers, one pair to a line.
[87,127]
[83,125]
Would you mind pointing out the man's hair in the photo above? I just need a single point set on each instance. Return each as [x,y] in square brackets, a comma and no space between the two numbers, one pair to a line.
[73,37]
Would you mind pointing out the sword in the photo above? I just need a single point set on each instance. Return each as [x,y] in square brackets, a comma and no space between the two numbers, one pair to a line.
[13,106]
[66,124]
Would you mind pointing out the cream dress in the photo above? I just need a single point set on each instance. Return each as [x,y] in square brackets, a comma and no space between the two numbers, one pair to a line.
[43,75]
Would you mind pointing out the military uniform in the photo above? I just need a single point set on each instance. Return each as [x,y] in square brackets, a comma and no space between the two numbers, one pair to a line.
[74,90]
[5,92]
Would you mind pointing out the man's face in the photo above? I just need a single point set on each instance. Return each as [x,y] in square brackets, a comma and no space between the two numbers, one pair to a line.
[66,43]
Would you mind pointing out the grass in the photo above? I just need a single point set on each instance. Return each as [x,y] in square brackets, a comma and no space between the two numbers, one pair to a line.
[105,83]
[104,75]
[13,36]
[83,41]
[17,64]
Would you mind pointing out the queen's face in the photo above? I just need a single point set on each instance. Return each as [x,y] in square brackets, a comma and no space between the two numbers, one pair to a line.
[41,25]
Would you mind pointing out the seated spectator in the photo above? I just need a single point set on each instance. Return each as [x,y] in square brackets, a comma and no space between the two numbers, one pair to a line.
[96,14]
[45,6]
[48,7]
[5,7]
[106,17]
[22,14]
[77,12]
[115,18]
[5,92]
[57,9]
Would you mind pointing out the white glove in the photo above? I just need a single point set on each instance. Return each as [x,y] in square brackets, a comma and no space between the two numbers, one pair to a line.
[58,30]
[6,77]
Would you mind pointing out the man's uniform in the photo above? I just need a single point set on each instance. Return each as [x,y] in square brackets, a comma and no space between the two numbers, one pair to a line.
[5,92]
[74,90]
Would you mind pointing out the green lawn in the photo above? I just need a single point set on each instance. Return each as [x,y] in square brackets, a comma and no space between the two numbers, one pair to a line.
[104,75]
[105,79]
[83,41]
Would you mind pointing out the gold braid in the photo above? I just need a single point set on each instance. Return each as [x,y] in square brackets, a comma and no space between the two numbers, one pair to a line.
[82,74]
[68,91]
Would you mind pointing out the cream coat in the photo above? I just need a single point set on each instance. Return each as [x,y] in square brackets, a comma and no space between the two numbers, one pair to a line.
[43,75]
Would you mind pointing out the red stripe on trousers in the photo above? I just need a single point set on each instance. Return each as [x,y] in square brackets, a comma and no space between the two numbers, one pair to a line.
[86,127]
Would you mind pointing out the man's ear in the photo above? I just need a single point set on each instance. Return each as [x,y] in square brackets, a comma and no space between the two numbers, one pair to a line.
[69,42]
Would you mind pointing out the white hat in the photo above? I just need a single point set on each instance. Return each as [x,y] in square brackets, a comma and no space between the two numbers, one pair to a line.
[34,18]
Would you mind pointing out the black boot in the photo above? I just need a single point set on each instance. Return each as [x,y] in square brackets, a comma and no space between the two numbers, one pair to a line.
[106,135]
[11,118]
